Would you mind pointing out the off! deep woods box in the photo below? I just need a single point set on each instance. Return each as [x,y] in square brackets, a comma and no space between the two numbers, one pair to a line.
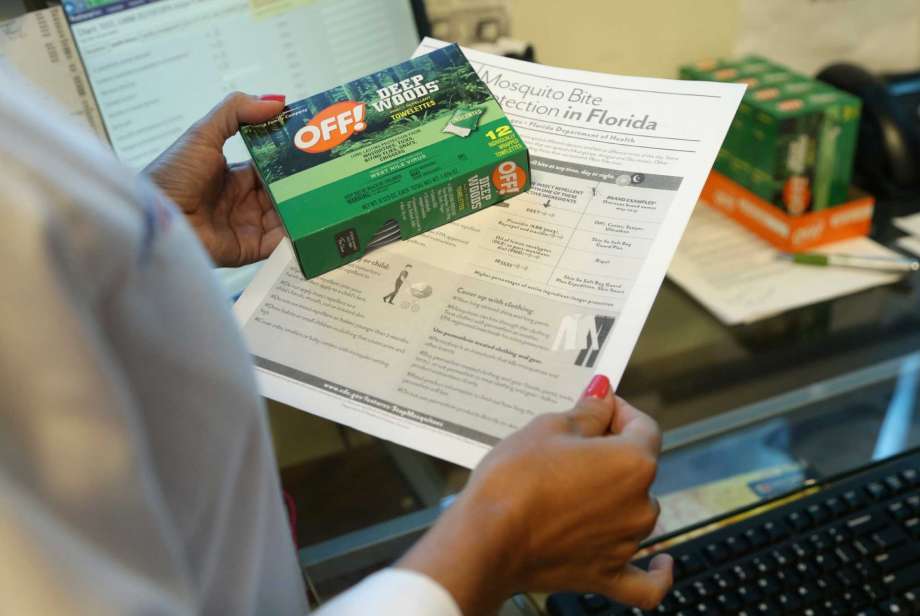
[393,154]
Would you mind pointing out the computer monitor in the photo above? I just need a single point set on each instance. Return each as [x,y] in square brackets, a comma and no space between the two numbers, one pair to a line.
[156,66]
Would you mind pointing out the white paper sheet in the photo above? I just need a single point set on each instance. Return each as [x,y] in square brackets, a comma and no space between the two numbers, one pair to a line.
[740,279]
[504,314]
[910,243]
[909,224]
[807,35]
[40,47]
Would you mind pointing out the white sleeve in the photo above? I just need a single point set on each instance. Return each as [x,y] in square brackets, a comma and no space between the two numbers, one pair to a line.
[394,591]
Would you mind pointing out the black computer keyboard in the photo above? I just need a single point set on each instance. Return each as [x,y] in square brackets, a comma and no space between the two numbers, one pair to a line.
[846,546]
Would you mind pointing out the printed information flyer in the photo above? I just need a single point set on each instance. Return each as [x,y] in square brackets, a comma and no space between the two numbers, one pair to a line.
[451,340]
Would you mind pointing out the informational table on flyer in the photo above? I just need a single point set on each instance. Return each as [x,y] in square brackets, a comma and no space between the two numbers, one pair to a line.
[449,341]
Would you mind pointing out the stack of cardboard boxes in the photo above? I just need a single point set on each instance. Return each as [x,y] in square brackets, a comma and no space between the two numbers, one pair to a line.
[790,149]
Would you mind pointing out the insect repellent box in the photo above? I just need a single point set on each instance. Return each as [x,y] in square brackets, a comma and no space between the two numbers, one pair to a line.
[793,139]
[387,156]
[785,166]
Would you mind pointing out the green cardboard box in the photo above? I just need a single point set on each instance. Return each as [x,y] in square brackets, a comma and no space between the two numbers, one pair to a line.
[793,139]
[387,156]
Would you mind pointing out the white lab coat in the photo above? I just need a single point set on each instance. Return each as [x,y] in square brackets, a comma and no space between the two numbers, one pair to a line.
[136,471]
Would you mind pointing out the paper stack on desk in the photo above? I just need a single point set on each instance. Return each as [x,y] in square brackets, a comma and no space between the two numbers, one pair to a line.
[911,225]
[741,279]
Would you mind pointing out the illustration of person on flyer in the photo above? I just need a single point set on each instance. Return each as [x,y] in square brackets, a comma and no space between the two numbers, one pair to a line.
[399,283]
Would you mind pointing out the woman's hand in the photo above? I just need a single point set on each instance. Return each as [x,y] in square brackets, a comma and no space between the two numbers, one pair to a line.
[225,204]
[560,505]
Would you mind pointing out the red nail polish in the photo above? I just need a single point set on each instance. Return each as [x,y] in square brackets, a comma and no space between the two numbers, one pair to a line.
[278,98]
[598,388]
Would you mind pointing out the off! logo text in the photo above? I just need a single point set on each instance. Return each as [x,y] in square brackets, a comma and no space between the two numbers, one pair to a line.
[509,178]
[331,126]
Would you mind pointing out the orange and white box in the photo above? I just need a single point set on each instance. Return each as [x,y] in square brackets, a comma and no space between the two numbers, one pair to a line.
[785,231]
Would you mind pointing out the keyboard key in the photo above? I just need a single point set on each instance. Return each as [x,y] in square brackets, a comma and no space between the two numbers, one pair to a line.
[836,506]
[912,526]
[806,569]
[763,564]
[894,484]
[855,598]
[767,606]
[868,569]
[706,608]
[737,545]
[748,594]
[889,537]
[820,542]
[788,601]
[835,606]
[768,585]
[912,597]
[789,578]
[827,585]
[826,562]
[682,597]
[846,554]
[776,532]
[900,511]
[802,549]
[876,490]
[898,558]
[853,499]
[911,477]
[819,513]
[866,523]
[724,581]
[874,590]
[848,577]
[903,579]
[838,533]
[594,603]
[798,521]
[729,601]
[807,592]
[895,607]
[716,553]
[691,563]
[913,502]
[743,572]
[757,537]
[865,546]
[704,588]
[780,558]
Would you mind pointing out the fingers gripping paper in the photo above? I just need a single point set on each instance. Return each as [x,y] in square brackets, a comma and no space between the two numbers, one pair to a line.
[451,340]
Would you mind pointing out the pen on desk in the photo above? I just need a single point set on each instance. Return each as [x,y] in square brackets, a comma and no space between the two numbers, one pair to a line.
[888,264]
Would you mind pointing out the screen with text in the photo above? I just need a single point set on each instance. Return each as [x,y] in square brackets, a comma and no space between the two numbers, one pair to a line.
[157,66]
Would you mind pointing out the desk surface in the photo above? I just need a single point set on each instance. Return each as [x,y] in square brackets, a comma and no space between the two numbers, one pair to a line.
[809,393]
[687,366]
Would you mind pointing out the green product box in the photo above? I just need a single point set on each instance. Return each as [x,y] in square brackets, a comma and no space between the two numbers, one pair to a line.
[793,139]
[391,155]
[726,69]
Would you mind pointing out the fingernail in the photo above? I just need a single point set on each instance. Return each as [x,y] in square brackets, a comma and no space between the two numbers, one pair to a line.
[598,388]
[278,98]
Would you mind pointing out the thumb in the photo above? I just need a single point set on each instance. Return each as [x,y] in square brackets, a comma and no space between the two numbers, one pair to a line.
[594,412]
[644,589]
[224,120]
